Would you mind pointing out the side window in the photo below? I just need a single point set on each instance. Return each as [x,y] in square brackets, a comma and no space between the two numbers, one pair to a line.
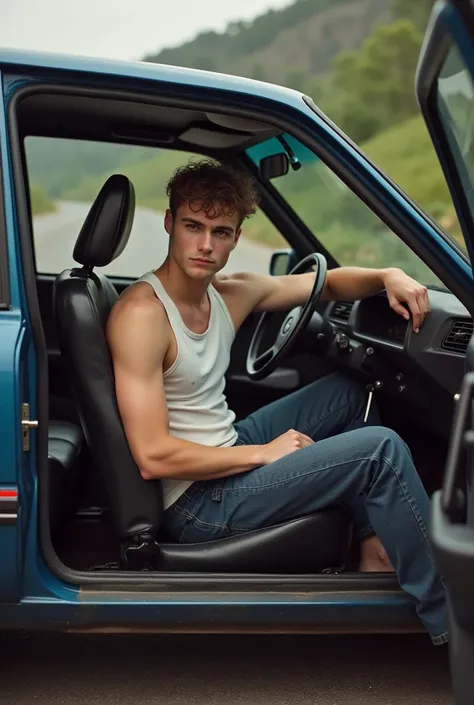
[337,217]
[65,177]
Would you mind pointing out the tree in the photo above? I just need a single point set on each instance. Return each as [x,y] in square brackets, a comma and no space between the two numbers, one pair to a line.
[417,11]
[258,73]
[297,79]
[378,81]
[206,63]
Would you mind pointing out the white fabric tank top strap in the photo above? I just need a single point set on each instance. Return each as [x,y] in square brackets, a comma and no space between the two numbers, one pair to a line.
[171,309]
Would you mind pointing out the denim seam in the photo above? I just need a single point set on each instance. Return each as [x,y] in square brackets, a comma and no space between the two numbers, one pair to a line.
[205,523]
[415,513]
[190,516]
[296,477]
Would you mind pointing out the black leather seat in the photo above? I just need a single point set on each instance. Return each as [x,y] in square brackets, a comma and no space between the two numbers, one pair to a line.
[82,303]
[65,441]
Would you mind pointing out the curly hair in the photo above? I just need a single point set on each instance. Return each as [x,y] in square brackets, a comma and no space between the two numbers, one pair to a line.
[214,188]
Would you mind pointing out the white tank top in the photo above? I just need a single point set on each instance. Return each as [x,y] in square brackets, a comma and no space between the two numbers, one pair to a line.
[194,384]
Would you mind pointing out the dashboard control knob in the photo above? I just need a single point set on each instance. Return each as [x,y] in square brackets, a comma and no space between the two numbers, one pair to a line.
[342,341]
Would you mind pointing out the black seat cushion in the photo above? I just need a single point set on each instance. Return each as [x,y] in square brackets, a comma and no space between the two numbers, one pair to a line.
[307,545]
[65,441]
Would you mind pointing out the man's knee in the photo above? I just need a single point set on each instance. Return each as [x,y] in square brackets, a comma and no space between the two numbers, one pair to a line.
[384,444]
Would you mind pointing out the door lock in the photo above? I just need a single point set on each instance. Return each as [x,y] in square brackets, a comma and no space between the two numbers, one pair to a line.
[26,425]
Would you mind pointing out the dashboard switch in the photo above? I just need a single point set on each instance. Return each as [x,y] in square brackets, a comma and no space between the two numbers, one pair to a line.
[342,341]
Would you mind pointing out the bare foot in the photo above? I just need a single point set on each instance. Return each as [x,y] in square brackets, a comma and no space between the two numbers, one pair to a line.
[373,557]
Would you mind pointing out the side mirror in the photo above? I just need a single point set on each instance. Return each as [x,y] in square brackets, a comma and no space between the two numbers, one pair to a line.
[282,262]
[274,165]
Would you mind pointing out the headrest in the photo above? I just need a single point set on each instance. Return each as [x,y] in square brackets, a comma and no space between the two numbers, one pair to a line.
[108,224]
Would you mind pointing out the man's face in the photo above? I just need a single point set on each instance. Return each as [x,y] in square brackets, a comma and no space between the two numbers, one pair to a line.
[200,244]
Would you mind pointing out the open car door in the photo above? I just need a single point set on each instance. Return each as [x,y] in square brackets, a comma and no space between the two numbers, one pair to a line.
[445,91]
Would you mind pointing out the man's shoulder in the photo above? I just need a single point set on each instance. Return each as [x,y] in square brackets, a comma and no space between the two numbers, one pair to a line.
[241,292]
[137,306]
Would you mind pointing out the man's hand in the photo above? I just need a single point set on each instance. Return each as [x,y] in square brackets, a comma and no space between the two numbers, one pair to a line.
[402,289]
[284,445]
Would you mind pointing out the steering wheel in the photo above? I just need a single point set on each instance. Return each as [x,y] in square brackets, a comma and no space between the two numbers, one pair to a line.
[261,365]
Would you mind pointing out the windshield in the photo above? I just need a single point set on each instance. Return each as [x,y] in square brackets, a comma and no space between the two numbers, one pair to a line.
[338,218]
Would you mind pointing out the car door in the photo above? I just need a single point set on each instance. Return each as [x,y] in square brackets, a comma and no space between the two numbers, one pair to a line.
[445,90]
[17,387]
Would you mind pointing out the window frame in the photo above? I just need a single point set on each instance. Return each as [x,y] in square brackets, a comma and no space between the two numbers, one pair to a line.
[439,40]
[5,300]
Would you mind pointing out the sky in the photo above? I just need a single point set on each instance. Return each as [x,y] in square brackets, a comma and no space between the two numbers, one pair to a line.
[117,29]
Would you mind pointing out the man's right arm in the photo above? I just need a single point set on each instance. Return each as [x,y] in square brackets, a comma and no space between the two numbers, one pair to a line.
[138,368]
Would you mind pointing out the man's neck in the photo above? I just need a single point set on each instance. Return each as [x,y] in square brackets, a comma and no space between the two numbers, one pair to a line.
[181,288]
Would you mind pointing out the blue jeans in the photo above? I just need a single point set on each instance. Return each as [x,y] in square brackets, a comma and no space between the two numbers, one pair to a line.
[366,468]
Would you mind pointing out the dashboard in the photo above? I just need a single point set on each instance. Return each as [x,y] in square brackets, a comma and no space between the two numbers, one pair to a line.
[424,369]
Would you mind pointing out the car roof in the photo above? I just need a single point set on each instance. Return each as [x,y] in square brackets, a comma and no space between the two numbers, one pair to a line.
[143,70]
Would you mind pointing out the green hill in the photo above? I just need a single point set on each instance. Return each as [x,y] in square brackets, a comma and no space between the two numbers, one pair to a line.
[406,153]
[368,91]
[303,36]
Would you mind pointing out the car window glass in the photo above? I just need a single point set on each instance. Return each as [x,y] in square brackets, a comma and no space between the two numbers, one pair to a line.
[338,218]
[455,105]
[65,176]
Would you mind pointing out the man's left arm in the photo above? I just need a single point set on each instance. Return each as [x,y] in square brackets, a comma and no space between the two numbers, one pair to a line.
[347,284]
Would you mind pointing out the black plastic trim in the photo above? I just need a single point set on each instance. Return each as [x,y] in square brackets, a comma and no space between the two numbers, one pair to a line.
[5,301]
[234,582]
[465,9]
[240,108]
[8,510]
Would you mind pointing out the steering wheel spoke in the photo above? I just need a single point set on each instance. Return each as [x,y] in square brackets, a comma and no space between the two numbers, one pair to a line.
[260,365]
[265,357]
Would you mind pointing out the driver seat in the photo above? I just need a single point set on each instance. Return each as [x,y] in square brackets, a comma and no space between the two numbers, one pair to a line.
[82,301]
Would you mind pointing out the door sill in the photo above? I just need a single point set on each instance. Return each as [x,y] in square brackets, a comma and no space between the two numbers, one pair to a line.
[230,582]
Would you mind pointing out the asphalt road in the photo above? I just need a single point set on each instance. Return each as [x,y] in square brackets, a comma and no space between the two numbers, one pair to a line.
[218,670]
[56,233]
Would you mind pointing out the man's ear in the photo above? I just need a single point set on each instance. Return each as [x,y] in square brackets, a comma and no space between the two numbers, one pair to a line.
[168,221]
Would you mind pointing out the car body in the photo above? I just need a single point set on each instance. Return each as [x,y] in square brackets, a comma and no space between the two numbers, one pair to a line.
[55,520]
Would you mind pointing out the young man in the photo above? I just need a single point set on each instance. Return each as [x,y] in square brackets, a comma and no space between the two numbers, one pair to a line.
[300,454]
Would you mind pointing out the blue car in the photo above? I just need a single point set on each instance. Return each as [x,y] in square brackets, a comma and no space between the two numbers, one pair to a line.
[81,537]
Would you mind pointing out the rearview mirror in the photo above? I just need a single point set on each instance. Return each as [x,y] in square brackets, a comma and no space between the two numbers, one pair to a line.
[274,165]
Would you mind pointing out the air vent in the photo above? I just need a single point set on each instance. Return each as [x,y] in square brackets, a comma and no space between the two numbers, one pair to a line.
[342,310]
[458,336]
